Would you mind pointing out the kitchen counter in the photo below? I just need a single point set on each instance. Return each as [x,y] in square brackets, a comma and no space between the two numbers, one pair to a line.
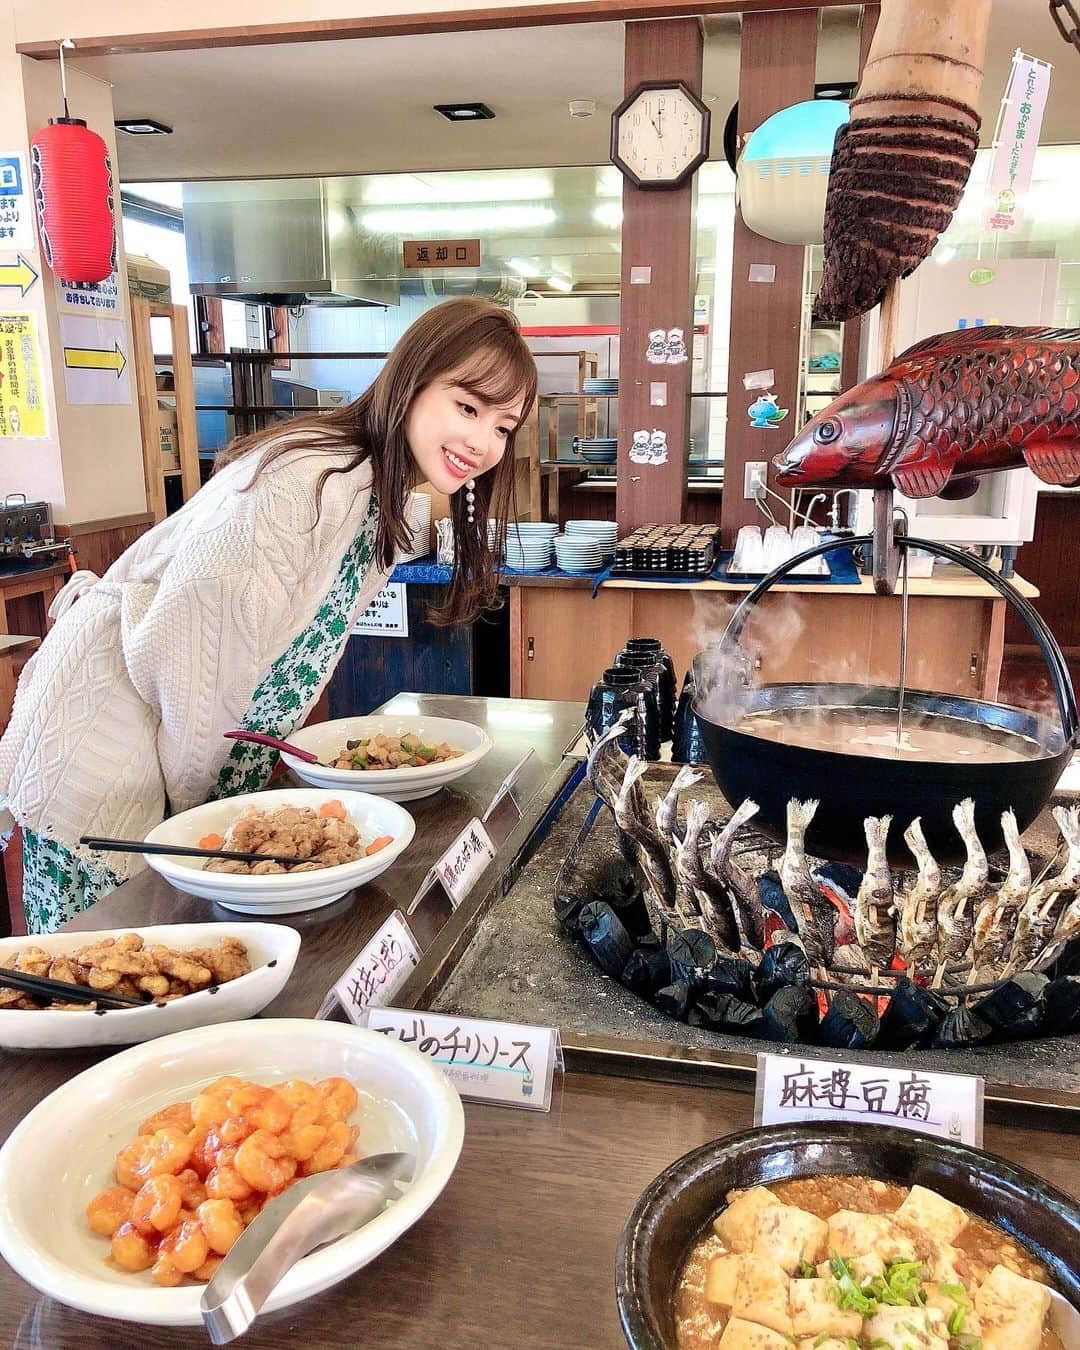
[518,1252]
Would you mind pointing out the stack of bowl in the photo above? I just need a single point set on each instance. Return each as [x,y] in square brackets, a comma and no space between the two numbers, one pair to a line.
[528,545]
[602,532]
[597,449]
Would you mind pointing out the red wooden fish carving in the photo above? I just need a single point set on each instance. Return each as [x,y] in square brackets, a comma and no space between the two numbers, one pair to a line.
[948,409]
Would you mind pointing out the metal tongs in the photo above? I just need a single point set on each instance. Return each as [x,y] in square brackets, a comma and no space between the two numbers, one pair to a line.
[311,1212]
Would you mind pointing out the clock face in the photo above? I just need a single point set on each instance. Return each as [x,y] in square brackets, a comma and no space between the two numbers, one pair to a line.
[660,135]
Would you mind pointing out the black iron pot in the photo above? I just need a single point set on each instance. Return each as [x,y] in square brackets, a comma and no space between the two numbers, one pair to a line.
[852,787]
[674,1210]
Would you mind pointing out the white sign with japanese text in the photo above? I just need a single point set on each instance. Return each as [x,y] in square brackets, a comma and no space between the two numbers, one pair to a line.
[16,203]
[387,614]
[497,1062]
[463,863]
[1016,141]
[378,972]
[89,297]
[793,1087]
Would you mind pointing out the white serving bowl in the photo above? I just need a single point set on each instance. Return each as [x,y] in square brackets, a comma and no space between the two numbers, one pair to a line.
[61,1155]
[400,785]
[272,950]
[282,892]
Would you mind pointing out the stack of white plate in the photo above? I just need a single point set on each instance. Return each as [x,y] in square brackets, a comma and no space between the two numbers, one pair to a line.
[602,532]
[418,514]
[528,544]
[578,553]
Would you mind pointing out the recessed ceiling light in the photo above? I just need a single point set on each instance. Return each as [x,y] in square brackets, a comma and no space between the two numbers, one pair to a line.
[142,126]
[464,112]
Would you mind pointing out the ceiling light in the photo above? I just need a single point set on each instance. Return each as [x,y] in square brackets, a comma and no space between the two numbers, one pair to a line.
[445,188]
[523,267]
[582,107]
[558,283]
[464,112]
[142,126]
[608,214]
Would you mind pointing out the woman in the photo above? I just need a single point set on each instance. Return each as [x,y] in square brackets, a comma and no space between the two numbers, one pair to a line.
[234,611]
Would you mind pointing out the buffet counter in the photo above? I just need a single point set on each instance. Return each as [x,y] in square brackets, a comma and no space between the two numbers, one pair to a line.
[519,1250]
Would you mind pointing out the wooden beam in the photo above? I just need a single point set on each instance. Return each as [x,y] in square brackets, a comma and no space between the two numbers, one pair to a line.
[657,233]
[776,69]
[852,330]
[406,25]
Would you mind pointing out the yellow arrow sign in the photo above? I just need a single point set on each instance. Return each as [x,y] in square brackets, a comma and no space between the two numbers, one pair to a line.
[19,274]
[94,358]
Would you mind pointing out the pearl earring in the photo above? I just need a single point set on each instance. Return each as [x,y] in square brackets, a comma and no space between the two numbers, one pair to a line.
[470,499]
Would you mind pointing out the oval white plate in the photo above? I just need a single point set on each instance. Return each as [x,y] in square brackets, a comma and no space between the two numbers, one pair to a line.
[280,892]
[62,1154]
[272,950]
[400,785]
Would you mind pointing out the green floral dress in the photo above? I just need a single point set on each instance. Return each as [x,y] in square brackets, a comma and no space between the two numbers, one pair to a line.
[57,884]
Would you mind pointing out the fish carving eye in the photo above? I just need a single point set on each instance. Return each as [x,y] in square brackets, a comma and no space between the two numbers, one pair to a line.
[827,432]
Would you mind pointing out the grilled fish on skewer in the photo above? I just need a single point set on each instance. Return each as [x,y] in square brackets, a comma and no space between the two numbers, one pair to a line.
[667,807]
[956,908]
[875,922]
[919,906]
[632,816]
[713,903]
[814,916]
[746,902]
[1047,902]
[607,760]
[995,920]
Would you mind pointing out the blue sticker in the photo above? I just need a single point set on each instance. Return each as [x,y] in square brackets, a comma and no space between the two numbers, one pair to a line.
[765,413]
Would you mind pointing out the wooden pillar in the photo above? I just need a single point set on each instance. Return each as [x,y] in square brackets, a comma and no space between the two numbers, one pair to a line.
[852,334]
[658,234]
[776,69]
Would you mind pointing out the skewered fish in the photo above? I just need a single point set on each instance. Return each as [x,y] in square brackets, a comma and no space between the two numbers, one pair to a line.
[875,919]
[1044,907]
[995,920]
[713,903]
[814,916]
[772,924]
[745,900]
[956,908]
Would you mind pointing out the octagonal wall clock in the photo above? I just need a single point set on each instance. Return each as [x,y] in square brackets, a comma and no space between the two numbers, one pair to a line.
[659,134]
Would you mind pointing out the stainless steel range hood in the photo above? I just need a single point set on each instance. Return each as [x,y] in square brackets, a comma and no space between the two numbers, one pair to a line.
[289,241]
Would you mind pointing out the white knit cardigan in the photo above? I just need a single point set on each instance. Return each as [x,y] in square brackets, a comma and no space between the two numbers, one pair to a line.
[124,705]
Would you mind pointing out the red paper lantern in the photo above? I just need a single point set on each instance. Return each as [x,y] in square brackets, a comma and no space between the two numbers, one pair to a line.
[73,195]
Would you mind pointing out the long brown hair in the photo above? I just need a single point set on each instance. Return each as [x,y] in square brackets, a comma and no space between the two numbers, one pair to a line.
[482,345]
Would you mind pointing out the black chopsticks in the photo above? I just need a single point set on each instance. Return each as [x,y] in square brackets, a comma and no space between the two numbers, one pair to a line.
[181,850]
[60,991]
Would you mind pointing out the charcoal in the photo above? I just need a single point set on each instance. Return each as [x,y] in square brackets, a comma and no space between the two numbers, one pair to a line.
[910,1016]
[850,1022]
[674,999]
[959,1029]
[783,965]
[730,975]
[692,952]
[608,940]
[726,1012]
[1015,1008]
[1061,1006]
[647,970]
[791,1015]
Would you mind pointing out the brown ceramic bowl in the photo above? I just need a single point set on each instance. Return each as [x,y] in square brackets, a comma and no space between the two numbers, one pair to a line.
[674,1210]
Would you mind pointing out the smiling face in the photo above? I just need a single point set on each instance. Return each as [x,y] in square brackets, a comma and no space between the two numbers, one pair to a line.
[455,434]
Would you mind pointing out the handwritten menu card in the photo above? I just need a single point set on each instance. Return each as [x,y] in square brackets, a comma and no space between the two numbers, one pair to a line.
[793,1087]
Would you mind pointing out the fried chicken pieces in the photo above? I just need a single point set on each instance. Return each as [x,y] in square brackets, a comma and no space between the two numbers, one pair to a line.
[126,965]
[315,839]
